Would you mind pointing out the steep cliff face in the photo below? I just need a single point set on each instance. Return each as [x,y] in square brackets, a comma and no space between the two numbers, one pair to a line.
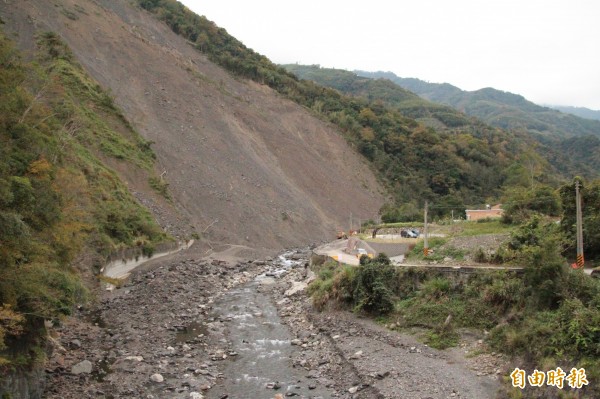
[244,165]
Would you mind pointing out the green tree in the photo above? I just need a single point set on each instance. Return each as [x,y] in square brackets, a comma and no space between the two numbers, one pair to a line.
[537,246]
[534,164]
[203,41]
[373,285]
[520,203]
[367,117]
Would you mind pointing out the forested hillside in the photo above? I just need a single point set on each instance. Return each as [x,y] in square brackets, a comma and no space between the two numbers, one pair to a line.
[570,136]
[441,117]
[498,108]
[58,198]
[562,154]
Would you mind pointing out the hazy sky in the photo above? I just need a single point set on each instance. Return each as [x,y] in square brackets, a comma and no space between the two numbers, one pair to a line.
[548,51]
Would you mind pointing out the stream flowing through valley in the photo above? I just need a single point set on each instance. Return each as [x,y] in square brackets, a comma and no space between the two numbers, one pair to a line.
[260,361]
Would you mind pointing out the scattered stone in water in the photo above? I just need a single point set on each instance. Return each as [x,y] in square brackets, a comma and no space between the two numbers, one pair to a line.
[157,378]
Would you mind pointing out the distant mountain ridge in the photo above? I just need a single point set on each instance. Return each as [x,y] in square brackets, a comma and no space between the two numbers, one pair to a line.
[581,112]
[498,108]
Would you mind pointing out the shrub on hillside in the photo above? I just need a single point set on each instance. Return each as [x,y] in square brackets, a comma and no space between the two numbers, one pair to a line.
[372,285]
[537,245]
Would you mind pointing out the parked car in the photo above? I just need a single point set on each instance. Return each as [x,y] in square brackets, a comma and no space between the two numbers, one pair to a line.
[408,233]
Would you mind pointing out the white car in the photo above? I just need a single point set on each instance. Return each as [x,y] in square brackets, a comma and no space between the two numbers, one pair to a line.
[409,233]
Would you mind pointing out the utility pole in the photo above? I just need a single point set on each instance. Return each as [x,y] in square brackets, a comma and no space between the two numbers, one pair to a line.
[425,244]
[580,259]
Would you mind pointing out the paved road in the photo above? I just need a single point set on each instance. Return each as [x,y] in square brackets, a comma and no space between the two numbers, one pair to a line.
[336,249]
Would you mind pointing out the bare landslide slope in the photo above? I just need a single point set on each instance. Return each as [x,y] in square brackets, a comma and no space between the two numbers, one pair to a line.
[258,169]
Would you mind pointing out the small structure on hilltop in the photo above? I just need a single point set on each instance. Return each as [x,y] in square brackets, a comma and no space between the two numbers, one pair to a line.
[491,212]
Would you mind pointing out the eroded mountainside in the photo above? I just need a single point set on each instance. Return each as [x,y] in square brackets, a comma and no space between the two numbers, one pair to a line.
[245,166]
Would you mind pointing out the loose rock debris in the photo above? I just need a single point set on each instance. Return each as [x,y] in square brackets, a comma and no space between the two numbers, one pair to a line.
[157,337]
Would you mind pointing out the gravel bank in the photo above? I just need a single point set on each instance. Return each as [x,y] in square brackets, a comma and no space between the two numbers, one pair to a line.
[162,336]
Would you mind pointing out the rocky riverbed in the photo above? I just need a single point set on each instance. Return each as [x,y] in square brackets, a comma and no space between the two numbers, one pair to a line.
[199,328]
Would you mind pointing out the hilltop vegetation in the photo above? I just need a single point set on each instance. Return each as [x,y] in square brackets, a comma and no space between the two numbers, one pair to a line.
[570,139]
[438,116]
[498,108]
[576,155]
[58,198]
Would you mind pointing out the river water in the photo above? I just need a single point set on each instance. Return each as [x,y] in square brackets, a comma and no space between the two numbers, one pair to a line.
[264,352]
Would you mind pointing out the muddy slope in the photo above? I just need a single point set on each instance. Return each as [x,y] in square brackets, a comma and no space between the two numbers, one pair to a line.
[260,170]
